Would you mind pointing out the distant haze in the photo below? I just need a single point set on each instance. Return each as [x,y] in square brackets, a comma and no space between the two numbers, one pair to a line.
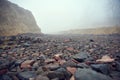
[60,15]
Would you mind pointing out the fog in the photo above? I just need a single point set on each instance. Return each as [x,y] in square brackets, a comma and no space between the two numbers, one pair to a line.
[60,15]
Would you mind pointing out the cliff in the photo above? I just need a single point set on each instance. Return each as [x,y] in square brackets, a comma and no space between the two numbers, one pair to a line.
[15,20]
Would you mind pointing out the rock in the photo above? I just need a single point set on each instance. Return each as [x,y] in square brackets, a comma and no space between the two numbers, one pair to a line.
[26,75]
[105,58]
[27,64]
[53,75]
[52,67]
[81,57]
[48,61]
[82,65]
[118,66]
[40,71]
[103,68]
[69,63]
[72,70]
[72,78]
[26,45]
[57,57]
[67,74]
[39,77]
[3,71]
[88,74]
[115,75]
[5,77]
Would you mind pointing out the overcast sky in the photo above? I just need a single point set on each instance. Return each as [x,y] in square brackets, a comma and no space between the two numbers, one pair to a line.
[60,15]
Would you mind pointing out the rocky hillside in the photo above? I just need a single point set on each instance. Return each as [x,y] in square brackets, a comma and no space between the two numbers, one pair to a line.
[102,30]
[15,20]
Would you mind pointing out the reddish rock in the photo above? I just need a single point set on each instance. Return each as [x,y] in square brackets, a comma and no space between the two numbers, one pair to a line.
[72,70]
[27,64]
[57,57]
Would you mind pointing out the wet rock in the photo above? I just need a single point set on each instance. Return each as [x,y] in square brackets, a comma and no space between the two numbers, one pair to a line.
[88,74]
[102,68]
[82,56]
[26,75]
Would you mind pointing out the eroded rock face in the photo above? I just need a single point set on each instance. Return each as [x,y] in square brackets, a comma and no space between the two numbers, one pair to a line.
[15,20]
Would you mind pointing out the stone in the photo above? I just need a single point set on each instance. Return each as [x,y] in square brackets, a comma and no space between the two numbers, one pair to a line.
[27,64]
[105,58]
[66,73]
[72,70]
[5,77]
[52,67]
[48,61]
[53,75]
[81,57]
[69,63]
[102,68]
[82,65]
[57,57]
[39,77]
[3,71]
[88,74]
[118,66]
[115,75]
[26,75]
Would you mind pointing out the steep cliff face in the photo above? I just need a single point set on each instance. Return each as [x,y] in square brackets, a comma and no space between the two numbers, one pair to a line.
[15,20]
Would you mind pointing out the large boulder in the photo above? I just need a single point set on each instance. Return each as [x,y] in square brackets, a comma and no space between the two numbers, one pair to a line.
[88,74]
[15,20]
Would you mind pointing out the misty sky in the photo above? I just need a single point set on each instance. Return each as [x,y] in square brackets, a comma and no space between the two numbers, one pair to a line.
[60,15]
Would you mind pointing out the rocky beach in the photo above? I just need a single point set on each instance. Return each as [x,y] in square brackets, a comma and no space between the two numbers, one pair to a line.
[60,57]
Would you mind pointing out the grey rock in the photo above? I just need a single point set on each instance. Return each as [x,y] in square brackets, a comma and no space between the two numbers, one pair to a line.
[26,75]
[39,77]
[103,68]
[88,74]
[82,56]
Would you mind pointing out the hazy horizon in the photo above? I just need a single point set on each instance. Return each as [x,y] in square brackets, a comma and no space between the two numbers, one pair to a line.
[60,15]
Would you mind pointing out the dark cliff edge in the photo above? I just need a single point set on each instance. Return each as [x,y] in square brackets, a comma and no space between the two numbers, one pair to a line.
[16,20]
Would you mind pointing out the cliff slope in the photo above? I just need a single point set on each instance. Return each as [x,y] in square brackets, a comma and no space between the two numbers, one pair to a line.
[15,20]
